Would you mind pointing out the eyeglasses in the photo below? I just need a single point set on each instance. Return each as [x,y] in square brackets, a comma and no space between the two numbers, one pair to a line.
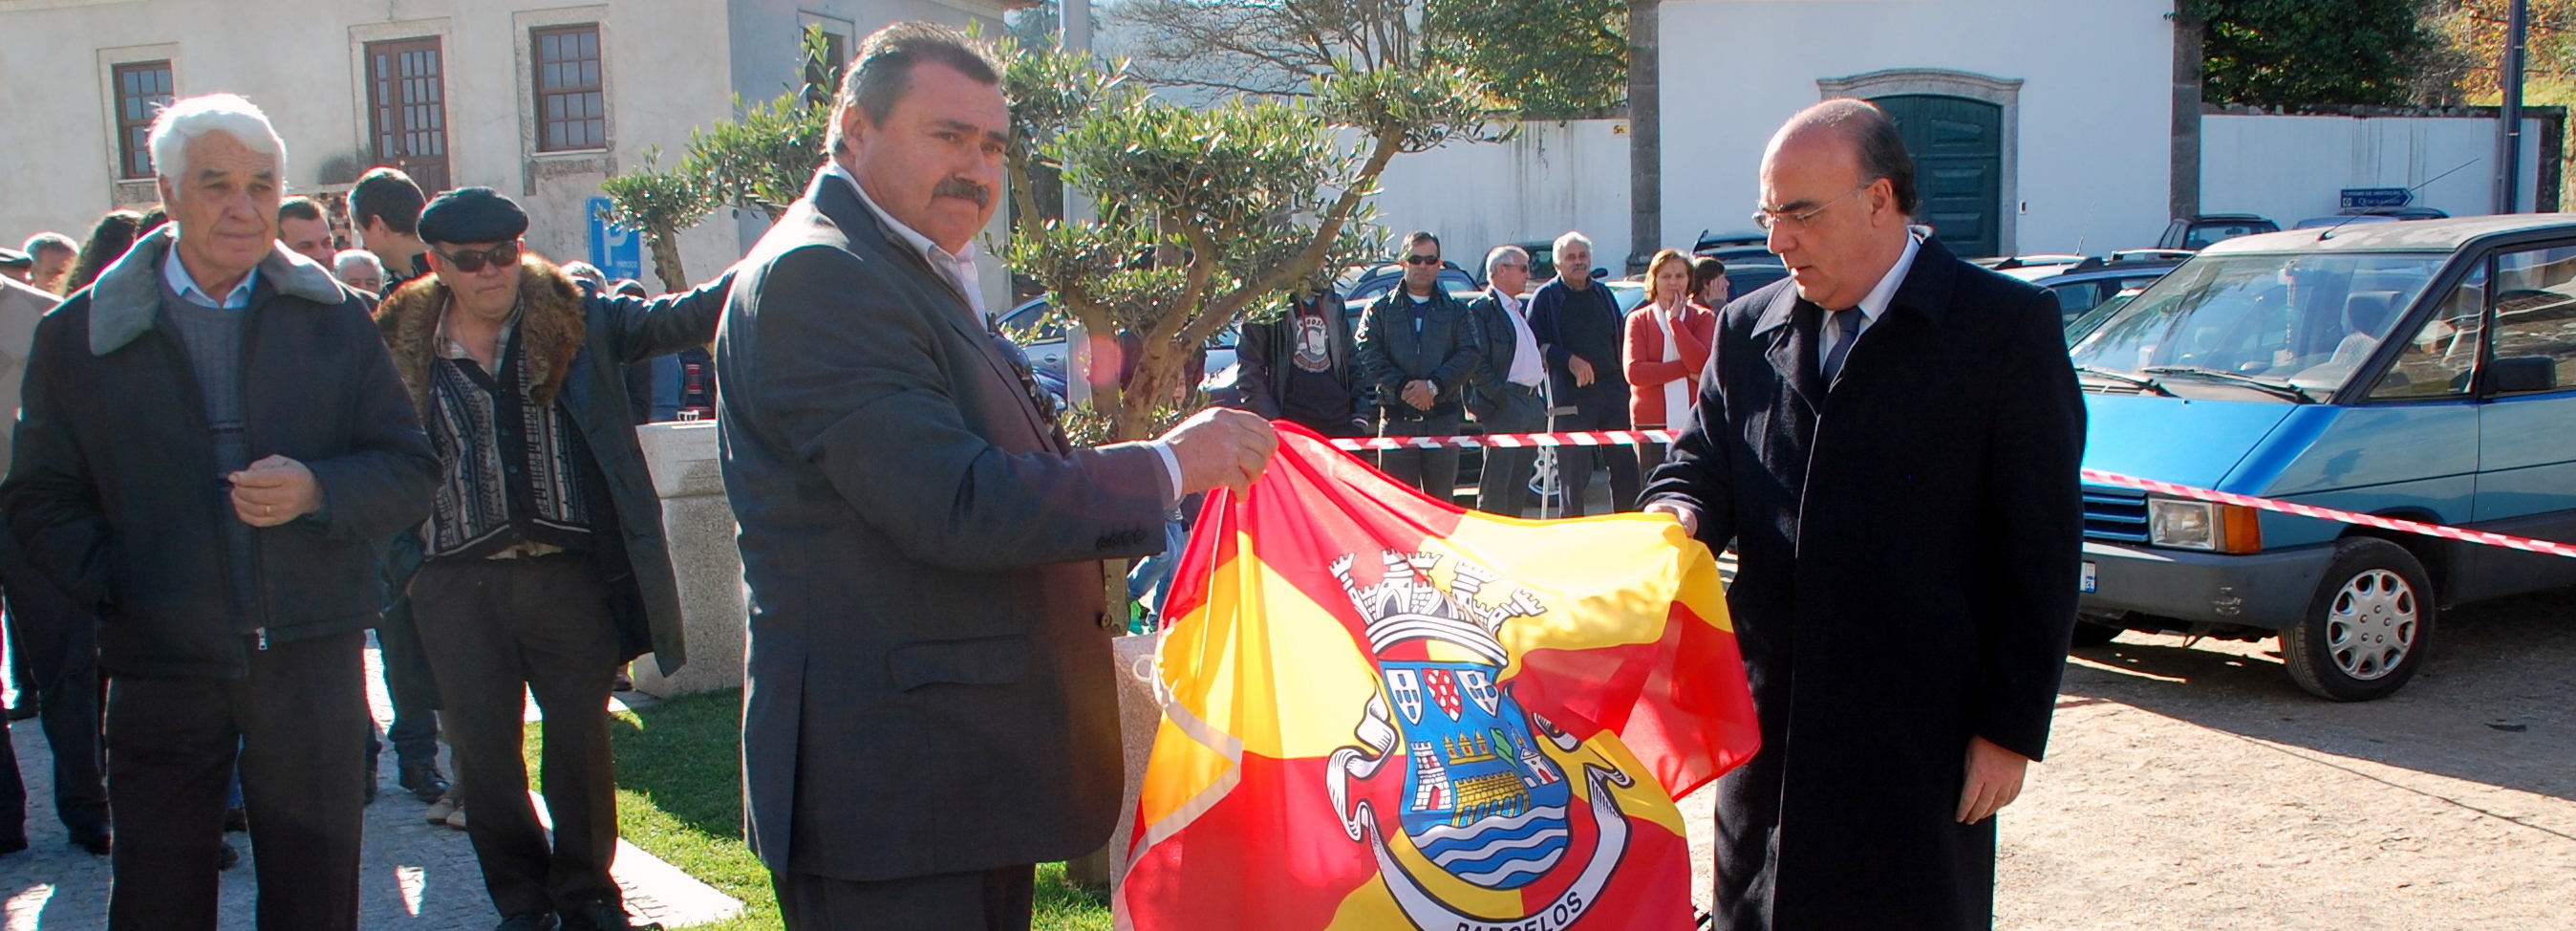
[1763,219]
[1499,266]
[471,261]
[1421,260]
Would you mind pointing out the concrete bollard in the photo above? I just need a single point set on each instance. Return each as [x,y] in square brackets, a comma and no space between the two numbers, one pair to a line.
[1140,715]
[698,523]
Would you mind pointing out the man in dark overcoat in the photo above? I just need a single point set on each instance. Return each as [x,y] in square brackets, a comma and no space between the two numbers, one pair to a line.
[1891,440]
[928,709]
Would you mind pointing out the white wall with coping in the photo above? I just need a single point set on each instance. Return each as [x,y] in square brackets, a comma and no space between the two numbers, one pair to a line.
[698,524]
[2094,105]
[302,62]
[1552,177]
[2292,167]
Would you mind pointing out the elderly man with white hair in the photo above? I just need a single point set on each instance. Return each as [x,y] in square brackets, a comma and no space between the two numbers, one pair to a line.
[210,444]
[360,270]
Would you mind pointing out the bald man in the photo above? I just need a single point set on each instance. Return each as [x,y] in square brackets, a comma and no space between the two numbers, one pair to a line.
[1890,438]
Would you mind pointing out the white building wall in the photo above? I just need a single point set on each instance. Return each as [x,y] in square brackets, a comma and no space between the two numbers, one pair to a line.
[2094,117]
[1552,177]
[2290,168]
[664,69]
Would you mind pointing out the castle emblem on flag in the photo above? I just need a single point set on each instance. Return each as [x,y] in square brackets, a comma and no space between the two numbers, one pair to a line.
[1481,801]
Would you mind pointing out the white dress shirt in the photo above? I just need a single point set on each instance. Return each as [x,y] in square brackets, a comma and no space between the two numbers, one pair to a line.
[1529,367]
[1876,303]
[959,268]
[175,274]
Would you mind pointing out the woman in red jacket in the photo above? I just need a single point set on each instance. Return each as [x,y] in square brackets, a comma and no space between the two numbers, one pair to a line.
[1668,340]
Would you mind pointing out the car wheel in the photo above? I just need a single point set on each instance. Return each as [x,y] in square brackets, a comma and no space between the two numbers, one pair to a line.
[2089,634]
[2369,626]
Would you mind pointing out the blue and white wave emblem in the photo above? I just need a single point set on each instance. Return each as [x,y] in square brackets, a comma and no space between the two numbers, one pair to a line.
[1481,801]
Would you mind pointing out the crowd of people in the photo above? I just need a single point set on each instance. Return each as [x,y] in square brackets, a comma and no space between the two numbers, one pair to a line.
[239,449]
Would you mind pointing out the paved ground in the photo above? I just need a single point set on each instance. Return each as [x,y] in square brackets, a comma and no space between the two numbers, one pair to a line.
[2193,786]
[414,875]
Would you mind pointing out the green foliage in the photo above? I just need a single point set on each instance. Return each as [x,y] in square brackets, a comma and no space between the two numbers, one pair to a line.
[762,159]
[2290,53]
[1544,59]
[660,204]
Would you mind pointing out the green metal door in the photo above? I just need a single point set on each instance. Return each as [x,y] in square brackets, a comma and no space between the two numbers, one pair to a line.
[1958,147]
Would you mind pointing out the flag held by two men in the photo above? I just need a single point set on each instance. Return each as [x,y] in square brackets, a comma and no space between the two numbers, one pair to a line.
[1381,711]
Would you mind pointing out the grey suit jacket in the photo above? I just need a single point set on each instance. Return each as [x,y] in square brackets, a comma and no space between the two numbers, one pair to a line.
[928,682]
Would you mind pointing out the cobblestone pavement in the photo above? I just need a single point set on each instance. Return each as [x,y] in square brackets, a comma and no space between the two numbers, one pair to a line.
[414,875]
[2191,785]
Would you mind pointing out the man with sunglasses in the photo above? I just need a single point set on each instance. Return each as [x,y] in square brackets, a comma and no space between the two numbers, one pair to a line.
[542,568]
[1890,439]
[1418,347]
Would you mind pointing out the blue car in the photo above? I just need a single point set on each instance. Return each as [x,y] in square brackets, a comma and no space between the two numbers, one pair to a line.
[2422,370]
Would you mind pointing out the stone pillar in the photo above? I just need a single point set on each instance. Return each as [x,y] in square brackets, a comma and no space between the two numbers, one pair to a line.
[1140,715]
[698,523]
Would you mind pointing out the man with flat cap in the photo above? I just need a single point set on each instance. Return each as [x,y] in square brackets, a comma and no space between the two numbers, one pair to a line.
[542,567]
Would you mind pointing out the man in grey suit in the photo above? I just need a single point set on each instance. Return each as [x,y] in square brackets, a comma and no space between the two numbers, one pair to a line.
[929,709]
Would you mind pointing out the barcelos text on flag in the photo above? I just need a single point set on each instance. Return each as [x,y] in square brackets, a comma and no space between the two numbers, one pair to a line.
[1381,711]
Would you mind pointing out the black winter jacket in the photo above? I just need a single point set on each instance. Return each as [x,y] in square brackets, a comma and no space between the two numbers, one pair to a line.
[113,493]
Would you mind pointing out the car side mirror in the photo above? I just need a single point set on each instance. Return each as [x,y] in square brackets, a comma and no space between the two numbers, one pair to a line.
[2520,374]
[1600,273]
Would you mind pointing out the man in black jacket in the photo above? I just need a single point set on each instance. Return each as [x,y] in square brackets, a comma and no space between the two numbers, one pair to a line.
[545,567]
[1579,323]
[210,444]
[1891,439]
[1300,367]
[1417,350]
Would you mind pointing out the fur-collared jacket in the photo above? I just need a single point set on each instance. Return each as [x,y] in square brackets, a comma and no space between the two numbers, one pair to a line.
[576,347]
[112,493]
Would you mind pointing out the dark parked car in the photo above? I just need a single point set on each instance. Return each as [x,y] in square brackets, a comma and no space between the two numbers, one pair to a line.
[2200,231]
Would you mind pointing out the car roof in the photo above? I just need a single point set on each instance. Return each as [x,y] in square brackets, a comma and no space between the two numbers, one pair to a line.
[2112,270]
[2226,218]
[2411,236]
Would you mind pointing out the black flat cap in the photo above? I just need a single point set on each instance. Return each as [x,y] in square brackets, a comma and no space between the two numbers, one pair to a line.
[472,215]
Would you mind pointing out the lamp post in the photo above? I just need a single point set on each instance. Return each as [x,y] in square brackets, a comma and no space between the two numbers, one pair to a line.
[2509,78]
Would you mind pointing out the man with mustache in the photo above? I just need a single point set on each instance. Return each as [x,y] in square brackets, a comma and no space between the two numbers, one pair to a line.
[928,708]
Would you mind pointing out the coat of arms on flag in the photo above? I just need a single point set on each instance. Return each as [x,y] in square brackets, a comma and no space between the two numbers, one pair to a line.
[1384,712]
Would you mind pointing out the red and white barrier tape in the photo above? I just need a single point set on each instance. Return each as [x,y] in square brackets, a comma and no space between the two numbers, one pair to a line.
[2349,517]
[1508,440]
[1634,437]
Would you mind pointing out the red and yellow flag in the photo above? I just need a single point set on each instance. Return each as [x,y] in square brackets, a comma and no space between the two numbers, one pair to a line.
[1382,711]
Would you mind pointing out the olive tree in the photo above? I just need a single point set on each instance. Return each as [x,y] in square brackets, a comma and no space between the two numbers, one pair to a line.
[1208,213]
[659,205]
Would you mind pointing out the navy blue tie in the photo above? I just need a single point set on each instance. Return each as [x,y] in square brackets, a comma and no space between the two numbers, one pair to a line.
[1847,325]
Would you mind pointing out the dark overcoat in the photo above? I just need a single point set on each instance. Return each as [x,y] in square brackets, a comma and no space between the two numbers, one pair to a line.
[1909,540]
[928,682]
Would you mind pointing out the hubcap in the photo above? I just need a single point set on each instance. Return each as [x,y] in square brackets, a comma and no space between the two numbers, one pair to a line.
[2372,624]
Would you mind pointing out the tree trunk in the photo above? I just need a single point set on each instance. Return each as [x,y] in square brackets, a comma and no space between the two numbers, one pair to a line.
[666,259]
[1645,133]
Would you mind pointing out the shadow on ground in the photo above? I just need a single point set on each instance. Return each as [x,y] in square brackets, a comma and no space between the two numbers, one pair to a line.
[2488,707]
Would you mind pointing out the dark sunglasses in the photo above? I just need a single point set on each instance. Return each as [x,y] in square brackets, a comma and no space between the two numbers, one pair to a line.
[471,261]
[1421,260]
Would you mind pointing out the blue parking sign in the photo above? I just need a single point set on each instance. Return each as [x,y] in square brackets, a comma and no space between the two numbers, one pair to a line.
[618,251]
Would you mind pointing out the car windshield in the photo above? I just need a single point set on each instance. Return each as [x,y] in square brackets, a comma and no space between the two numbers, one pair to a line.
[2298,323]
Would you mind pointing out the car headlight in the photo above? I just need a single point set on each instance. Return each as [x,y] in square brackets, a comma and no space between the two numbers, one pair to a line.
[2202,525]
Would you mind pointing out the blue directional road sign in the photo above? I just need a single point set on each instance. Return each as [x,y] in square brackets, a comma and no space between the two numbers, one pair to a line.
[2355,198]
[618,251]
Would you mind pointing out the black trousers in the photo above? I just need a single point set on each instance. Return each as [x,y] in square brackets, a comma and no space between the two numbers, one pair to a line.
[998,899]
[55,643]
[495,630]
[173,745]
[1504,487]
[13,790]
[1595,411]
[1435,471]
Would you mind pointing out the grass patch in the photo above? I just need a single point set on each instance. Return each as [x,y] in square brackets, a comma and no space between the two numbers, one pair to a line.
[679,797]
